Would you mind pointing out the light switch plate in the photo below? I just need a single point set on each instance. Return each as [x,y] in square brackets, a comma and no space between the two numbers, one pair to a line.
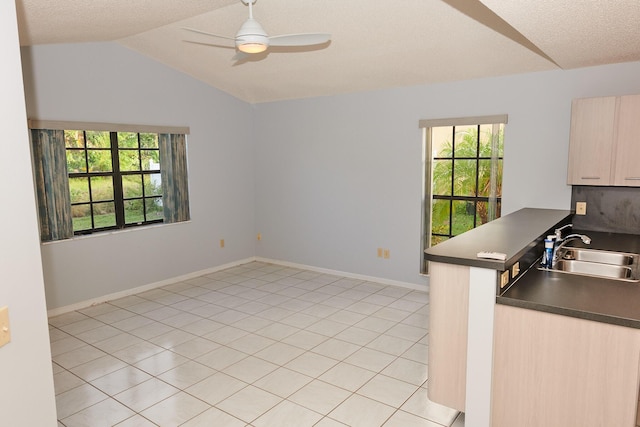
[581,208]
[5,331]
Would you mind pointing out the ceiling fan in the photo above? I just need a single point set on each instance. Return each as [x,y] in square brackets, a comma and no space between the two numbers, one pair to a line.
[251,38]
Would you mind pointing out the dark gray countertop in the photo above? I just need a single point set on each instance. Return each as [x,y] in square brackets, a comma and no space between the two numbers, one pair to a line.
[604,300]
[513,235]
[517,234]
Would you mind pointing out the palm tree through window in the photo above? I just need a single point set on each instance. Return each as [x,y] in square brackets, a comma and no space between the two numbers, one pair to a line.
[463,179]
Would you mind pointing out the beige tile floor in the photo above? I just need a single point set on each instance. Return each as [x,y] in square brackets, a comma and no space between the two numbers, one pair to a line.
[254,345]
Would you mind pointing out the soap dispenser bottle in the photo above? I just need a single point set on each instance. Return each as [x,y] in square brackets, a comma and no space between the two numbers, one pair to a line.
[547,256]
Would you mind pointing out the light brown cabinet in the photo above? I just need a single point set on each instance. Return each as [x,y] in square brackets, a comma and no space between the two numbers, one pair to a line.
[604,147]
[551,370]
[627,160]
[591,141]
[448,320]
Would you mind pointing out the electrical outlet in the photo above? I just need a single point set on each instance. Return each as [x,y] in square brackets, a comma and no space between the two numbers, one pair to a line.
[222,243]
[515,269]
[5,332]
[504,279]
[581,208]
[379,252]
[387,254]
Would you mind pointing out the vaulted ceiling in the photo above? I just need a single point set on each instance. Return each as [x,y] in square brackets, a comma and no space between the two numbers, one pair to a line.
[375,44]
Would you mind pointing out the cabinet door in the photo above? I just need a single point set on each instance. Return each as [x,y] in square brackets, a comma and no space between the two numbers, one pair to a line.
[591,141]
[627,161]
[558,371]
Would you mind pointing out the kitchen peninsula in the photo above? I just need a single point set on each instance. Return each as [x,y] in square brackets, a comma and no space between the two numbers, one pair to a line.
[505,360]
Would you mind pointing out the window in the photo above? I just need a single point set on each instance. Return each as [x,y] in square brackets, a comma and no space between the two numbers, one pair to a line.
[90,180]
[114,179]
[463,176]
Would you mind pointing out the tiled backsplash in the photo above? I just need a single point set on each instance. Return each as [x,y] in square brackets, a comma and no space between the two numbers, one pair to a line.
[612,209]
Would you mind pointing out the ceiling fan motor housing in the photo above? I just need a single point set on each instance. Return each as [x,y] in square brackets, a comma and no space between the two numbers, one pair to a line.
[251,37]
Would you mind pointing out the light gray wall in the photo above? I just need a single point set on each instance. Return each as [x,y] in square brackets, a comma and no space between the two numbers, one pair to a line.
[325,180]
[26,378]
[341,176]
[105,82]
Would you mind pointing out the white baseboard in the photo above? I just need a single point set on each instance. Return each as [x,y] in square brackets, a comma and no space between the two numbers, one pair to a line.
[110,297]
[380,280]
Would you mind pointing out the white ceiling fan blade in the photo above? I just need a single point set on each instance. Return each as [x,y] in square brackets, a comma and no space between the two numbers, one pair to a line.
[299,39]
[209,44]
[193,30]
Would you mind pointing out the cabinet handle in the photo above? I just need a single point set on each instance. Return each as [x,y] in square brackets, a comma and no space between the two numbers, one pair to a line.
[590,177]
[632,178]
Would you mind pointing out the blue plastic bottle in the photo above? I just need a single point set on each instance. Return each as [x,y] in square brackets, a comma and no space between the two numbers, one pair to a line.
[547,258]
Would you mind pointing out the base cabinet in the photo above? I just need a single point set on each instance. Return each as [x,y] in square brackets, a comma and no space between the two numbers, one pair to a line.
[551,370]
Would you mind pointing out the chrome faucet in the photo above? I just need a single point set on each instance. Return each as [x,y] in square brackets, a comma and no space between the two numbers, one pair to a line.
[561,242]
[558,231]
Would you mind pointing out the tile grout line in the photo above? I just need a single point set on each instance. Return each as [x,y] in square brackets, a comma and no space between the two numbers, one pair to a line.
[256,284]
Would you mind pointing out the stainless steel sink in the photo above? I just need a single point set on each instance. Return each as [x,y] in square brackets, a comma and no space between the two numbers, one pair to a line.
[598,263]
[598,256]
[594,269]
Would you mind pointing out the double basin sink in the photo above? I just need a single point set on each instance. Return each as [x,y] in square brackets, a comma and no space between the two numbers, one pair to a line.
[598,263]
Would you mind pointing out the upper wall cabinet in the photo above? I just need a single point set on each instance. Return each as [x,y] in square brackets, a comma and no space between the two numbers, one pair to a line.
[591,141]
[627,159]
[604,147]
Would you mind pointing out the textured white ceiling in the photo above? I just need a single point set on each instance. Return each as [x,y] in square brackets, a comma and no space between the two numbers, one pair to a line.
[375,44]
[577,33]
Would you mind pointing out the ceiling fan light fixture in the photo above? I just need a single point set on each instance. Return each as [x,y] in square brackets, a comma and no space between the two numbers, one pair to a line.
[252,47]
[252,38]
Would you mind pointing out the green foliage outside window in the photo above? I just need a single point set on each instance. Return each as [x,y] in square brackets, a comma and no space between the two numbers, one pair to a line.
[141,192]
[462,175]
